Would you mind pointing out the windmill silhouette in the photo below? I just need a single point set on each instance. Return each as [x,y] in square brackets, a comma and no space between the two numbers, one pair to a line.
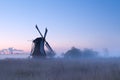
[39,44]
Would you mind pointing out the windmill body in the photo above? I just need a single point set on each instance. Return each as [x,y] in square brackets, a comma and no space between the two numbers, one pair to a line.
[38,48]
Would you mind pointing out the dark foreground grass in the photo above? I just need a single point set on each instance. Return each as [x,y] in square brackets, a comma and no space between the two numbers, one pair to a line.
[60,69]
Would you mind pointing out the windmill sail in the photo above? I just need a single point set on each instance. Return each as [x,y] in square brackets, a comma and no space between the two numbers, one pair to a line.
[45,33]
[49,48]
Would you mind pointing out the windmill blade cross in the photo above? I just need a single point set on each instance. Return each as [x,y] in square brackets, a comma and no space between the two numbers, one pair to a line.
[46,43]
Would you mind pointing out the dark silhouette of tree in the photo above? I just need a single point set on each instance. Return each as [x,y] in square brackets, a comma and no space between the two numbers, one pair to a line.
[77,53]
[73,53]
[89,53]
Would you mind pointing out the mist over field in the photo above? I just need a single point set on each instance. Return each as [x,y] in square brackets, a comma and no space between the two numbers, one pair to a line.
[60,69]
[74,64]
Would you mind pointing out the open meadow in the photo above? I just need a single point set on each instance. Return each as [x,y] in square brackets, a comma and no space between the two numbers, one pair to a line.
[60,69]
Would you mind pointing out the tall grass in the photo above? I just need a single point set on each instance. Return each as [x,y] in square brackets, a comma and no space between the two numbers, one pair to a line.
[60,69]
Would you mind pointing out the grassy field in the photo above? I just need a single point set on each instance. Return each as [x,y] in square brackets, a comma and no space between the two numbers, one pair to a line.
[60,69]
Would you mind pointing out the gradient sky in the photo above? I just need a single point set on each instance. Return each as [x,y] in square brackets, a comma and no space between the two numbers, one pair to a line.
[81,23]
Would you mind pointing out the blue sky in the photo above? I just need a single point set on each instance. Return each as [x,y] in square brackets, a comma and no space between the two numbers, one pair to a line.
[80,23]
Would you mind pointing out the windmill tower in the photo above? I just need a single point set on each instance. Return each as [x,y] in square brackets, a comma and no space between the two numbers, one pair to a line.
[39,44]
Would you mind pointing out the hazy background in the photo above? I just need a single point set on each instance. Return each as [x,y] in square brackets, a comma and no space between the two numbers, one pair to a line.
[81,23]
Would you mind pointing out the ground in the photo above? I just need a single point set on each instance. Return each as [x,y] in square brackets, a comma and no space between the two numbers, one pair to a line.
[60,69]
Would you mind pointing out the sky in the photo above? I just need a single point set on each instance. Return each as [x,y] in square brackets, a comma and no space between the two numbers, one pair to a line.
[91,24]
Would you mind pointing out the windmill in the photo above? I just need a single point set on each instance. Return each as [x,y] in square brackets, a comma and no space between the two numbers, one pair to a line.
[39,44]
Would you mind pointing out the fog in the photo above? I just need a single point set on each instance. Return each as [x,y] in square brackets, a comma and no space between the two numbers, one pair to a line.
[75,64]
[11,50]
[73,52]
[60,69]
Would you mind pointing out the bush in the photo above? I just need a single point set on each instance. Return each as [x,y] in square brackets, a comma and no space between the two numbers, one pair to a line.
[77,53]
